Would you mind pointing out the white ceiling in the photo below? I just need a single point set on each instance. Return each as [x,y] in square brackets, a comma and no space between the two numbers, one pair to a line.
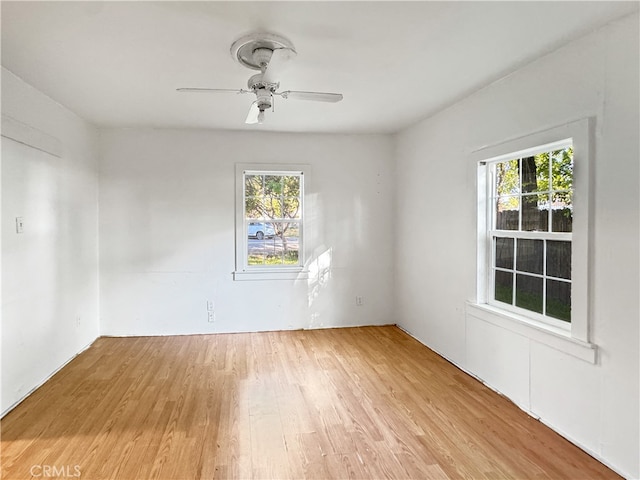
[119,63]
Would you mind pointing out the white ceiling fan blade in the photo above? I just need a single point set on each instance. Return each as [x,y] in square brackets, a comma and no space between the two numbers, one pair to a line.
[279,59]
[211,90]
[313,96]
[252,116]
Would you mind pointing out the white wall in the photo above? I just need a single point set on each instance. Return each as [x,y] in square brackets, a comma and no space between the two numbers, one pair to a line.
[167,232]
[594,405]
[49,272]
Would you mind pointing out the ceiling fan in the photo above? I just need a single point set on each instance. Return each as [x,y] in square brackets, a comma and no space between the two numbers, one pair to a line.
[270,54]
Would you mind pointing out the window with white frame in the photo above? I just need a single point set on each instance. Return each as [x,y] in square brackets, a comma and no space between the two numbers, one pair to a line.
[533,236]
[270,221]
[530,232]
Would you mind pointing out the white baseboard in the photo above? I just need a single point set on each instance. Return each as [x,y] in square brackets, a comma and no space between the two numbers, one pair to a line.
[524,409]
[22,399]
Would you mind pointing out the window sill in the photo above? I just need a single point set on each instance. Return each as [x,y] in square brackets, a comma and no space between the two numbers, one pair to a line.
[241,275]
[549,335]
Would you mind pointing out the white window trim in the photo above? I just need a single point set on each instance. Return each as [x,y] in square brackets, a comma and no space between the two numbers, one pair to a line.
[285,272]
[580,133]
[559,339]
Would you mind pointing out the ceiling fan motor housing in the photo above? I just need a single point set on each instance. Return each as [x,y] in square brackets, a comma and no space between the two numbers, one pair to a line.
[256,82]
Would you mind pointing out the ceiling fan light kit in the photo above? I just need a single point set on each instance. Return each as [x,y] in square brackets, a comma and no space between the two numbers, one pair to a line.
[270,54]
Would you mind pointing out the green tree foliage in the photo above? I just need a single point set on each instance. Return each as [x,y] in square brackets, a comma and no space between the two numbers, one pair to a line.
[275,199]
[508,184]
[547,172]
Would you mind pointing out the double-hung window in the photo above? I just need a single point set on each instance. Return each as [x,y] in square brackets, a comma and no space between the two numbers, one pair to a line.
[530,234]
[269,222]
[533,236]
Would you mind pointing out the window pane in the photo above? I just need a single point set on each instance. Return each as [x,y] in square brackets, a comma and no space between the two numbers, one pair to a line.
[508,213]
[287,229]
[273,207]
[503,287]
[559,259]
[535,173]
[291,186]
[559,300]
[260,230]
[273,185]
[290,249]
[255,256]
[562,213]
[507,178]
[562,169]
[542,172]
[273,243]
[291,257]
[504,253]
[535,213]
[273,250]
[254,207]
[291,207]
[253,185]
[529,293]
[530,255]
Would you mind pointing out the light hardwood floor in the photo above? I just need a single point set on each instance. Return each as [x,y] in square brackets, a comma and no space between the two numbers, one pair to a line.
[365,402]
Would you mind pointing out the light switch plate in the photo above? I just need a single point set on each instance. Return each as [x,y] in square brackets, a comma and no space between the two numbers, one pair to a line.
[19,225]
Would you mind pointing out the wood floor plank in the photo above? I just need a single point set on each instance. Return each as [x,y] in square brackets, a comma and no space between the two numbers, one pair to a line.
[358,403]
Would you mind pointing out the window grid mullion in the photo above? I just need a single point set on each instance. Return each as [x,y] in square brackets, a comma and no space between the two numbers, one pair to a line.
[520,195]
[544,275]
[550,199]
[515,267]
[532,235]
[537,275]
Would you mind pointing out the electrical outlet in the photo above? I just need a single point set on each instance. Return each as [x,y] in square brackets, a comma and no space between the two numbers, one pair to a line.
[359,301]
[211,317]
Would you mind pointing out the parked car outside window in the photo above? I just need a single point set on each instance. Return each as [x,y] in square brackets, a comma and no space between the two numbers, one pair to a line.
[260,230]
